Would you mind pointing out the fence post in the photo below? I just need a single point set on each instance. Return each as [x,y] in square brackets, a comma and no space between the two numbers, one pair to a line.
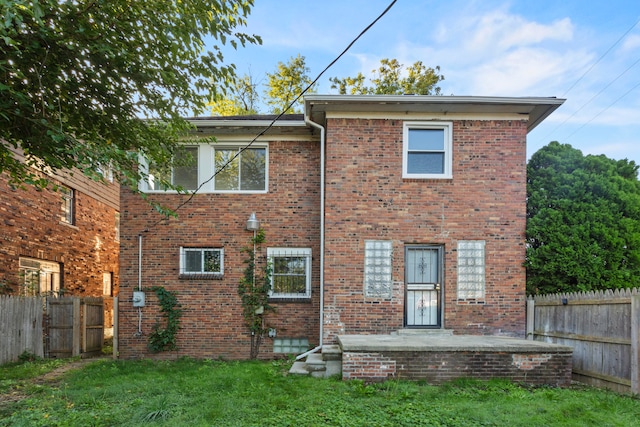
[531,306]
[76,327]
[635,344]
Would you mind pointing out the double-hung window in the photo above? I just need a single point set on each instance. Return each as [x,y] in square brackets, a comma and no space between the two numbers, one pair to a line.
[291,272]
[427,150]
[67,207]
[240,170]
[202,261]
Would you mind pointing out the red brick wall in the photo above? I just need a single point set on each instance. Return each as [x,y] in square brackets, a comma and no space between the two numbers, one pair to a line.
[30,227]
[367,198]
[212,324]
[439,366]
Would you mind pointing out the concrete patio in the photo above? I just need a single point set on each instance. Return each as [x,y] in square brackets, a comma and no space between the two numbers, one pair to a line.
[439,356]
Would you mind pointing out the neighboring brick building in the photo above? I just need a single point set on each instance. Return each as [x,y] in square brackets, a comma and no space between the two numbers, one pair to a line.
[61,242]
[380,213]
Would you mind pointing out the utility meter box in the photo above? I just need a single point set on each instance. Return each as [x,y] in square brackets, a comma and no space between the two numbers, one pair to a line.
[138,299]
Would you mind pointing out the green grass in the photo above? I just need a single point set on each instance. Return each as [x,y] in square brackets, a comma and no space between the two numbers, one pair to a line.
[212,393]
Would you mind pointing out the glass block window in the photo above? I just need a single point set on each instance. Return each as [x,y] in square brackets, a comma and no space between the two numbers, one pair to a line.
[377,268]
[471,269]
[290,345]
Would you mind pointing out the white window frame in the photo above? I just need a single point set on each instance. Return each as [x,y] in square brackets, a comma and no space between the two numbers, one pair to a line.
[183,266]
[237,147]
[39,277]
[291,252]
[147,185]
[447,127]
[206,169]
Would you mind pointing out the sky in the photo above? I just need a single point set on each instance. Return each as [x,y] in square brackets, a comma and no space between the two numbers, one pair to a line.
[585,51]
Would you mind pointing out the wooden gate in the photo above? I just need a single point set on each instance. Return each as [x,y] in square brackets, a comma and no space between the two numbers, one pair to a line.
[92,325]
[73,325]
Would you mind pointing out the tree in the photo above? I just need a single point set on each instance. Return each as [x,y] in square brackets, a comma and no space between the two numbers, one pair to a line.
[78,78]
[286,83]
[583,222]
[241,100]
[388,80]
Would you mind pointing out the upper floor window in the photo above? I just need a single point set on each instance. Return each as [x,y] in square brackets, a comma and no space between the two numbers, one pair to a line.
[184,172]
[117,226]
[427,150]
[67,207]
[240,170]
[213,168]
[291,272]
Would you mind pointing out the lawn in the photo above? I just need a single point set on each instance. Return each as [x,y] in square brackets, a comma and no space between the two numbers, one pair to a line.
[214,393]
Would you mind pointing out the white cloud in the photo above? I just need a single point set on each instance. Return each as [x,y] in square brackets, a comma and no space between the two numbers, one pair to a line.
[523,70]
[502,31]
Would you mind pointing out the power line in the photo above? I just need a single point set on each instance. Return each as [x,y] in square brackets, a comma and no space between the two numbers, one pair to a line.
[605,109]
[266,129]
[595,96]
[600,59]
[587,72]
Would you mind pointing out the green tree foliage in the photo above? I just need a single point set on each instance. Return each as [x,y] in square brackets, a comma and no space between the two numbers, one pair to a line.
[286,83]
[388,79]
[583,222]
[77,77]
[240,100]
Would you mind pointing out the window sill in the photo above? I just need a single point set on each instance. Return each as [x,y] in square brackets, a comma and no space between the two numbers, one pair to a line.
[471,301]
[66,224]
[290,299]
[201,276]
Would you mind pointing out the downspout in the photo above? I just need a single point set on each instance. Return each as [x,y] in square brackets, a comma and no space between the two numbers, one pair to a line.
[139,332]
[308,121]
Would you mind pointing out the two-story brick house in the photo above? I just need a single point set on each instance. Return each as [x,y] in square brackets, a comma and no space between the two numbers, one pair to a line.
[380,213]
[62,240]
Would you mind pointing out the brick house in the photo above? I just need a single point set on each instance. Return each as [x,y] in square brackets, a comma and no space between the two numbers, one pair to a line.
[380,213]
[63,242]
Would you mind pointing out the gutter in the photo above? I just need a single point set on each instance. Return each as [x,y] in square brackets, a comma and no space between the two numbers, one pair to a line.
[308,121]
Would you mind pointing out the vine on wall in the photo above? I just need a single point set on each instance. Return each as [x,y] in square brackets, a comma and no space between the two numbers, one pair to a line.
[254,290]
[164,339]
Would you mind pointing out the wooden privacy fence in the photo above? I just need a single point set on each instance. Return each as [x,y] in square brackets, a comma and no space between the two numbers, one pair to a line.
[602,327]
[50,327]
[20,327]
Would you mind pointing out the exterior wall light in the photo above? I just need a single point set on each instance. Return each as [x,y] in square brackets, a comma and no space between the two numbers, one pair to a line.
[252,223]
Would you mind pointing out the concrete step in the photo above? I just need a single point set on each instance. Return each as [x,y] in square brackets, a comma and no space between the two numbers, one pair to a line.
[331,352]
[320,365]
[315,362]
[299,368]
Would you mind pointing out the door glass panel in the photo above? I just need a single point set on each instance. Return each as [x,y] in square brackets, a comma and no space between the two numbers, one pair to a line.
[422,275]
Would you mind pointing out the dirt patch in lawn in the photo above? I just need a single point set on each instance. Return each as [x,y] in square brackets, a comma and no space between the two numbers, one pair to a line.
[16,394]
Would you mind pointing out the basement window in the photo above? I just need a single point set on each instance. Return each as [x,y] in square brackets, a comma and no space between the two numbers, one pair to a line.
[290,345]
[201,262]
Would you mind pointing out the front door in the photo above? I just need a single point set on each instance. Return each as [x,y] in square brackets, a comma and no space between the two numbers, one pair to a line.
[423,278]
